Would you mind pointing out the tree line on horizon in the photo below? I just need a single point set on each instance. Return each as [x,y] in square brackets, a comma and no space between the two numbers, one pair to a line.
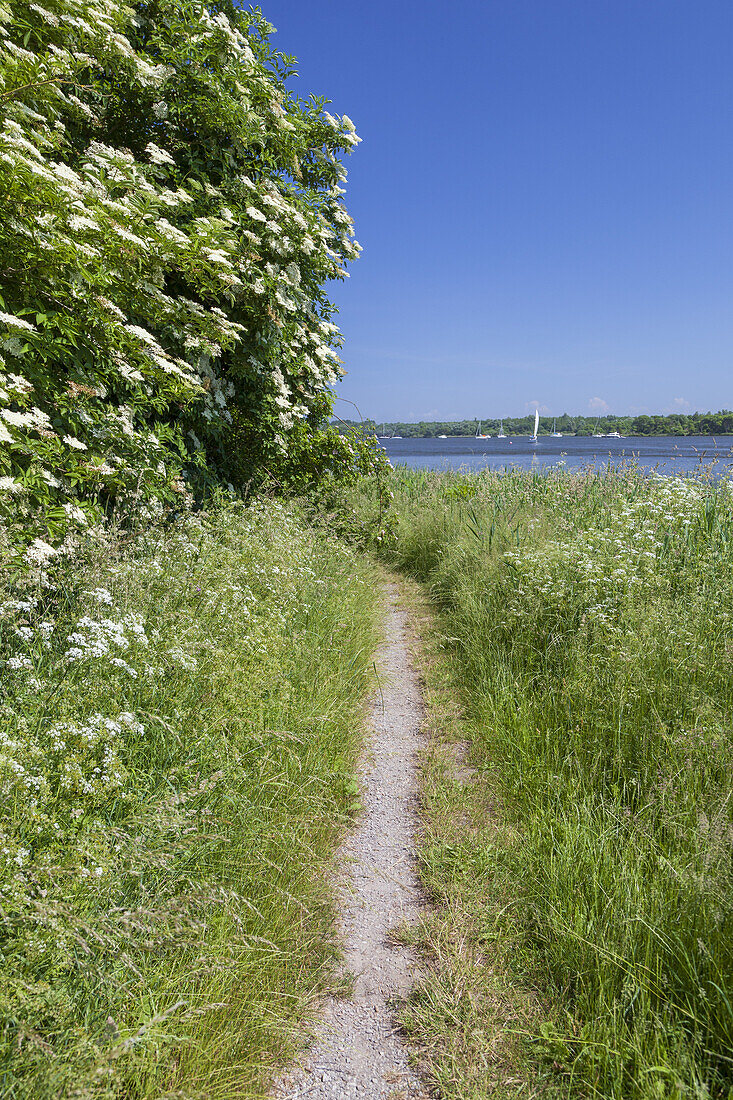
[682,424]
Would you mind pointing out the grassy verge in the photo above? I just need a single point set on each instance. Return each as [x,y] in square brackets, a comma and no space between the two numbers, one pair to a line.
[468,1013]
[590,623]
[180,717]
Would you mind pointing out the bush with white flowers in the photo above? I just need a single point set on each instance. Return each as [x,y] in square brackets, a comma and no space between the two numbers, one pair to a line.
[169,215]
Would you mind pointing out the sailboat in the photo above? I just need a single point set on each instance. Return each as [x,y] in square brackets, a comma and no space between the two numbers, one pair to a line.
[533,437]
[596,433]
[479,433]
[501,430]
[555,433]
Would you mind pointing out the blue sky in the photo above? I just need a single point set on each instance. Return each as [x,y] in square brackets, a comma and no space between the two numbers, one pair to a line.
[544,194]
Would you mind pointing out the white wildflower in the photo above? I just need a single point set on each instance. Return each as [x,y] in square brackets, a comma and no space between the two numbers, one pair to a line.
[15,663]
[119,663]
[102,595]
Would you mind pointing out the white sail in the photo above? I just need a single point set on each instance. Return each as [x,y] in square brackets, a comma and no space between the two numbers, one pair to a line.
[536,421]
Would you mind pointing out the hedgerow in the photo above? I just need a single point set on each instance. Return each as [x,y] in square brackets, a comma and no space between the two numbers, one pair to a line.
[169,214]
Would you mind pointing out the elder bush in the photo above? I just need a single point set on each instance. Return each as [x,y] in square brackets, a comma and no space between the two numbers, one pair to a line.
[169,214]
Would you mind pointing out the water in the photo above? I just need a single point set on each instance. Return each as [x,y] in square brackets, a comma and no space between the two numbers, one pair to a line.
[665,454]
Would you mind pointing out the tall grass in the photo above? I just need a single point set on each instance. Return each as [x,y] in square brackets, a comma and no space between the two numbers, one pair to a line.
[591,621]
[180,716]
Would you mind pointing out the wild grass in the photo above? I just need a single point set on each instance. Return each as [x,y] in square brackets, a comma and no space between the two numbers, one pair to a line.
[180,716]
[467,1012]
[590,622]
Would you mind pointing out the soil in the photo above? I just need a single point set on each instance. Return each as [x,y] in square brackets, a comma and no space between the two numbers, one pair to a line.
[359,1050]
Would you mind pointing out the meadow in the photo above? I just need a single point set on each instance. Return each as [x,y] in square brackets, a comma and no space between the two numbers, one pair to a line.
[587,620]
[181,708]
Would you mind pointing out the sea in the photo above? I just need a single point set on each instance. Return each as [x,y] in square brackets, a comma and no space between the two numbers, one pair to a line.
[686,455]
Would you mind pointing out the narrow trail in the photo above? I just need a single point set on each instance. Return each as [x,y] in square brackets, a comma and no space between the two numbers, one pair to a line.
[358,1049]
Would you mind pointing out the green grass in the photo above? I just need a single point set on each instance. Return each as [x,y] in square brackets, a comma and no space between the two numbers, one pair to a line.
[468,1012]
[167,822]
[589,621]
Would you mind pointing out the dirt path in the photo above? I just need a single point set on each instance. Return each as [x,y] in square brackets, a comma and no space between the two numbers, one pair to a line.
[358,1050]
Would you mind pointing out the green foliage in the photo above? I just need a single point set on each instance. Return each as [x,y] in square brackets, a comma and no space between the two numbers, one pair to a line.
[180,717]
[324,467]
[170,212]
[590,620]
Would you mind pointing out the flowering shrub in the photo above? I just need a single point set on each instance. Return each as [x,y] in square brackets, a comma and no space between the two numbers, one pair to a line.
[178,724]
[169,215]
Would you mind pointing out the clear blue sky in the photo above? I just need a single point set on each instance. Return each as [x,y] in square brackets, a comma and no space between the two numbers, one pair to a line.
[544,194]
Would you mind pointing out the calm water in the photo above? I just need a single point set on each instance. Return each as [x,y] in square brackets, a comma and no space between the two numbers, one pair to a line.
[665,454]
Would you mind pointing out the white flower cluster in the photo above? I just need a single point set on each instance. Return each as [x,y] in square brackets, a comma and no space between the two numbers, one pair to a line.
[93,639]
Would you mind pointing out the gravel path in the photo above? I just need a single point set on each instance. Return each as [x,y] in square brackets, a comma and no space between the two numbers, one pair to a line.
[358,1050]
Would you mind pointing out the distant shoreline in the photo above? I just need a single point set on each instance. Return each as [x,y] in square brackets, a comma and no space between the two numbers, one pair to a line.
[570,435]
[681,425]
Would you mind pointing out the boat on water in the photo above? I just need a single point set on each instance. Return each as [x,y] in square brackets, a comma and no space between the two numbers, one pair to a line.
[555,433]
[533,437]
[479,433]
[501,430]
[614,435]
[442,437]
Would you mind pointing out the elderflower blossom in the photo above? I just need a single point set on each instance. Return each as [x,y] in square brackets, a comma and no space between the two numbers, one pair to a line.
[39,552]
[15,322]
[158,155]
